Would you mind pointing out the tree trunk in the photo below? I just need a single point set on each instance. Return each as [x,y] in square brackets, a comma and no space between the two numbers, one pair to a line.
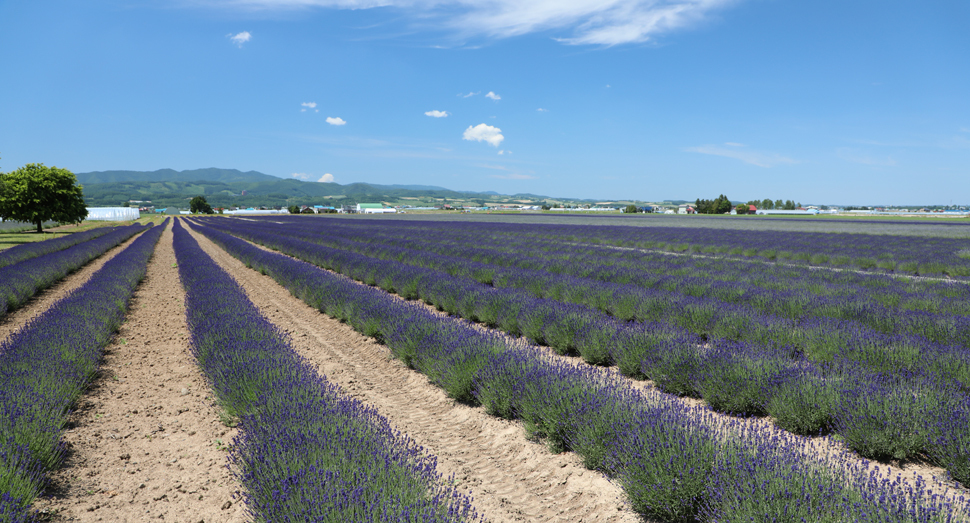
[40,229]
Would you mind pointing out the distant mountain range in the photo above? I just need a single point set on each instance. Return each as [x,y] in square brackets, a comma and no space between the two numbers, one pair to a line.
[231,187]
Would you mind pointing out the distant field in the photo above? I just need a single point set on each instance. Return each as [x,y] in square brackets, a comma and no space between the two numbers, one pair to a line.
[928,227]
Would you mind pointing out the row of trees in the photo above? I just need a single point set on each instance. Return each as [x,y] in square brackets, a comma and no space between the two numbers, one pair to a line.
[719,205]
[36,193]
[767,205]
[722,204]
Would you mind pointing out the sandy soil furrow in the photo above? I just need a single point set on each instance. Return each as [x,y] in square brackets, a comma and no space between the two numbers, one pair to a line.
[933,476]
[145,442]
[511,478]
[40,302]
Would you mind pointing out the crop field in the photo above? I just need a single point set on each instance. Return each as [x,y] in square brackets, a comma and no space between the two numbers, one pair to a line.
[487,368]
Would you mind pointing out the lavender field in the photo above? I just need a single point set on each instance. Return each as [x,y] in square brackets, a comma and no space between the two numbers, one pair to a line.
[873,357]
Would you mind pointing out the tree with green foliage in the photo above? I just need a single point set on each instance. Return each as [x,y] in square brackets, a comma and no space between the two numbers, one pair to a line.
[199,205]
[36,193]
[294,209]
[630,209]
[742,208]
[720,205]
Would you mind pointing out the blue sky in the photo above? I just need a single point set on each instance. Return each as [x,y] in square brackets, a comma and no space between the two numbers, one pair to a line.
[822,102]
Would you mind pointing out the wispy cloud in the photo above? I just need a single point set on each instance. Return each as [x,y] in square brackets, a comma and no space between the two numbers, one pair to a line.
[493,96]
[336,121]
[437,114]
[734,144]
[469,95]
[301,176]
[541,110]
[512,176]
[240,38]
[309,105]
[965,129]
[484,133]
[855,156]
[761,159]
[578,22]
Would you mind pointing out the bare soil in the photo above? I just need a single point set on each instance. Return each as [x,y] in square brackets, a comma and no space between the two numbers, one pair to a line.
[15,320]
[935,478]
[510,477]
[146,441]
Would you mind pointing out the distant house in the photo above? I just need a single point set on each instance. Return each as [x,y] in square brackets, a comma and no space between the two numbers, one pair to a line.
[685,209]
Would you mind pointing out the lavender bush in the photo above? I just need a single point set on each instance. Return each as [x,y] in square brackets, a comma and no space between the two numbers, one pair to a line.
[305,451]
[20,281]
[675,462]
[45,366]
[26,251]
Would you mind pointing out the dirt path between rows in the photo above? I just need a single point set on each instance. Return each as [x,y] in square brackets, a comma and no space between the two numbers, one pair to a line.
[40,302]
[914,472]
[511,478]
[145,442]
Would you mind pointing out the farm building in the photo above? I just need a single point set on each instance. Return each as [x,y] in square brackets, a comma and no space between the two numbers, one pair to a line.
[373,208]
[113,214]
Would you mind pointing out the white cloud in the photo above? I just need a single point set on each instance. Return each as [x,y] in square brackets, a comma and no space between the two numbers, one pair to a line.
[747,156]
[734,144]
[309,105]
[503,151]
[484,133]
[240,38]
[305,176]
[608,86]
[469,95]
[574,22]
[336,121]
[541,110]
[855,156]
[437,114]
[493,96]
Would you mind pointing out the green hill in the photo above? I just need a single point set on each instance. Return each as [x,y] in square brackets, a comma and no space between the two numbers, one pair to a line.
[230,187]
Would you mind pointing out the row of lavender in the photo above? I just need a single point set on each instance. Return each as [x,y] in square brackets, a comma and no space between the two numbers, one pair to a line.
[26,251]
[46,365]
[306,452]
[645,267]
[862,392]
[933,344]
[890,253]
[676,463]
[633,286]
[885,253]
[923,342]
[20,281]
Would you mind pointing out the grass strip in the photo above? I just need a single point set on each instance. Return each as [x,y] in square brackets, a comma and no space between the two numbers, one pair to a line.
[306,452]
[45,366]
